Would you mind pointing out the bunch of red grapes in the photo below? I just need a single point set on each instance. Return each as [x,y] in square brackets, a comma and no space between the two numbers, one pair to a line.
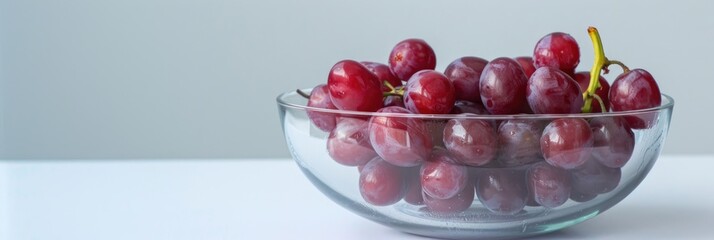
[445,163]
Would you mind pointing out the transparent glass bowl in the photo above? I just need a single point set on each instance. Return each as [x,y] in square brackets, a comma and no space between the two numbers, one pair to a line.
[341,183]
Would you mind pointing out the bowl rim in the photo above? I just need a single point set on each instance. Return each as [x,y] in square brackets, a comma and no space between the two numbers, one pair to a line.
[667,103]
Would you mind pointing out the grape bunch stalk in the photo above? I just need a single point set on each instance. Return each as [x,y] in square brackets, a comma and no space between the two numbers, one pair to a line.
[428,144]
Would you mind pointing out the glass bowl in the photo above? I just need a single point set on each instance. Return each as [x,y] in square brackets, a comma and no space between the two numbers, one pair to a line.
[504,192]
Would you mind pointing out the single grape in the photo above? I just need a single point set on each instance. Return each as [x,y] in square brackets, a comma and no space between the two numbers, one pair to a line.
[503,87]
[401,141]
[384,74]
[429,92]
[613,141]
[583,79]
[635,90]
[502,190]
[551,91]
[394,101]
[465,73]
[442,177]
[348,144]
[353,87]
[456,204]
[557,50]
[381,183]
[412,177]
[595,178]
[320,98]
[519,141]
[471,141]
[462,106]
[567,142]
[410,56]
[550,186]
[527,65]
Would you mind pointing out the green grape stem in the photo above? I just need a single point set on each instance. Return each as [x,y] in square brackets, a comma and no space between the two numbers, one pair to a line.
[393,91]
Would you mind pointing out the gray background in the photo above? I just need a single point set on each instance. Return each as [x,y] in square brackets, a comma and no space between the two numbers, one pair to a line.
[198,79]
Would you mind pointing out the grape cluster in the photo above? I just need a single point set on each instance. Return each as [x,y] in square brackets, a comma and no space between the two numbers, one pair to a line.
[447,162]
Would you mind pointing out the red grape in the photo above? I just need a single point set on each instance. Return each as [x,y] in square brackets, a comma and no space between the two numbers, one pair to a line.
[456,204]
[613,141]
[583,79]
[519,140]
[353,87]
[429,92]
[550,186]
[502,190]
[401,141]
[381,183]
[527,65]
[471,141]
[503,87]
[557,50]
[635,90]
[410,56]
[348,143]
[384,74]
[465,73]
[594,178]
[551,91]
[567,143]
[320,98]
[441,177]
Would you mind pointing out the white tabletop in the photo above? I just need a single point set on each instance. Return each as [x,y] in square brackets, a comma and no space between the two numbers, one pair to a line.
[271,199]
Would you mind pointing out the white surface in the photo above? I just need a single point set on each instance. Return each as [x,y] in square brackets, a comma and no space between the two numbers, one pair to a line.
[271,199]
[198,78]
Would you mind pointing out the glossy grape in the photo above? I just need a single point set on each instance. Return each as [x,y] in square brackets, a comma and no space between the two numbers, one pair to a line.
[383,73]
[551,91]
[549,185]
[471,141]
[398,140]
[503,87]
[410,56]
[465,74]
[502,191]
[595,178]
[527,65]
[635,90]
[353,87]
[567,142]
[320,98]
[519,141]
[348,144]
[441,177]
[381,183]
[456,204]
[429,92]
[583,79]
[557,50]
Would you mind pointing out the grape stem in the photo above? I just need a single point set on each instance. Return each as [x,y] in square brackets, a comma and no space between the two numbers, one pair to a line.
[601,63]
[303,94]
[393,91]
[598,65]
